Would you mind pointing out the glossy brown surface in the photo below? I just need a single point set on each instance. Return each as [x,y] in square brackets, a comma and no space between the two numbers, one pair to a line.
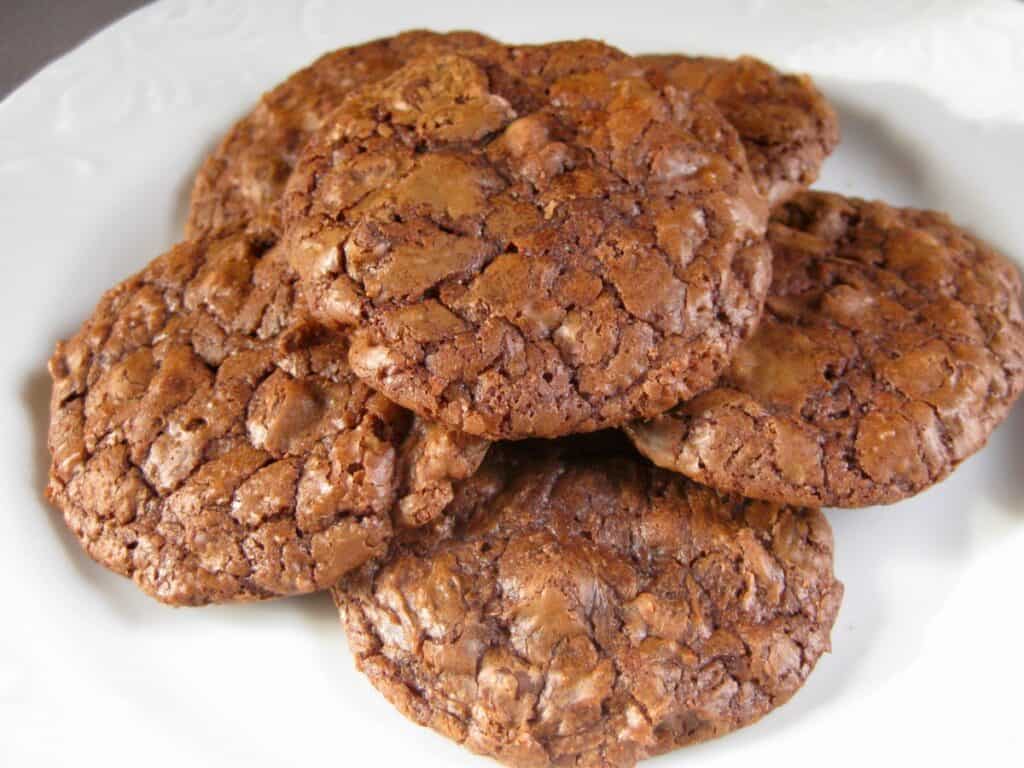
[241,182]
[211,443]
[786,125]
[530,241]
[891,346]
[593,611]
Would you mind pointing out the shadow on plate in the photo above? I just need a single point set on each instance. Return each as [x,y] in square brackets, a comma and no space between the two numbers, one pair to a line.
[1006,484]
[885,153]
[181,201]
[183,195]
[35,394]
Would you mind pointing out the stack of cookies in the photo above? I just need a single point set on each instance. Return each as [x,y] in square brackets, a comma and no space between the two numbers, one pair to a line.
[541,359]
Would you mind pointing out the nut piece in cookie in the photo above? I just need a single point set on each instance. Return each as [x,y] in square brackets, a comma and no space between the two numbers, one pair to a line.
[892,344]
[241,182]
[787,127]
[594,612]
[211,443]
[530,241]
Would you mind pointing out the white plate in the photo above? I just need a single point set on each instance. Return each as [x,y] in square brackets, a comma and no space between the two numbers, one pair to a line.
[96,155]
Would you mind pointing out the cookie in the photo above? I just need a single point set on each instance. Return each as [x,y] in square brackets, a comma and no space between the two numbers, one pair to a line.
[787,127]
[891,346]
[530,241]
[595,612]
[240,183]
[212,444]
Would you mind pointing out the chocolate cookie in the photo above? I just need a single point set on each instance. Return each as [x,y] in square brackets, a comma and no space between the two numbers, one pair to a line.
[210,443]
[240,183]
[786,125]
[891,346]
[594,613]
[530,241]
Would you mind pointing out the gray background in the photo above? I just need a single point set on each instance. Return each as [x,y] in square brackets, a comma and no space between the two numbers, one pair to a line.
[33,32]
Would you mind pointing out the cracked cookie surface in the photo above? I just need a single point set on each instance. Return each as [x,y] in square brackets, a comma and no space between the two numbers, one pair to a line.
[594,611]
[530,241]
[891,346]
[212,444]
[241,182]
[787,127]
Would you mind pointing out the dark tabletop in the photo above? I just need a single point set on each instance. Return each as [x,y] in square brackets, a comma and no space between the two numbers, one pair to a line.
[34,32]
